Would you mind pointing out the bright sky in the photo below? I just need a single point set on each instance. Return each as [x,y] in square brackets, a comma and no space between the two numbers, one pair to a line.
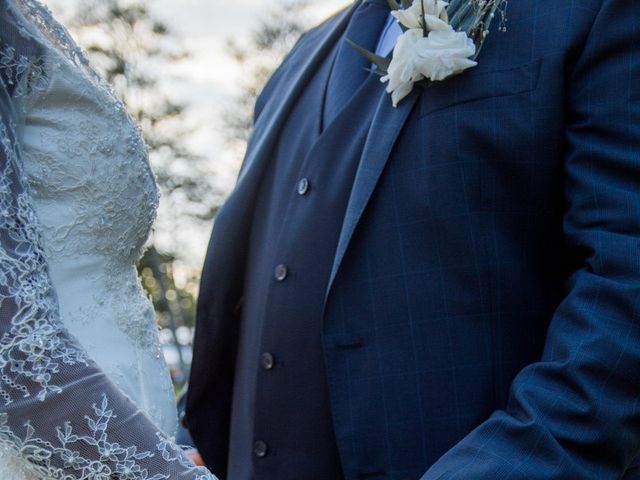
[207,80]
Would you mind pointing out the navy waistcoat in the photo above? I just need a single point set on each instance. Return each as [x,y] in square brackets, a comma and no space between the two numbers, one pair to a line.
[281,424]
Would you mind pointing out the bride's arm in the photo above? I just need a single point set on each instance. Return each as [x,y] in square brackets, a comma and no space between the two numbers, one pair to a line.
[58,410]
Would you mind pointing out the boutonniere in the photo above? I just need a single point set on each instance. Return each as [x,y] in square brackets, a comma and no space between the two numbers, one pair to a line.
[439,39]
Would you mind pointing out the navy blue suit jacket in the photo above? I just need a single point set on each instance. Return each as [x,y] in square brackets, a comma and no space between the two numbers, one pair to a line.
[483,315]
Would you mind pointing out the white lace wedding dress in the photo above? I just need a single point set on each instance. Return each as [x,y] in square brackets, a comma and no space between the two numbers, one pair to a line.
[84,390]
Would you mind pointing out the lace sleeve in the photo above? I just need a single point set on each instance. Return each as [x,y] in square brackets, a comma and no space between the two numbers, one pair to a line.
[58,411]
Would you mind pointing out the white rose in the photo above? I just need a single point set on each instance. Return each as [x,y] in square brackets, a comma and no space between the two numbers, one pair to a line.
[402,72]
[439,55]
[443,53]
[411,17]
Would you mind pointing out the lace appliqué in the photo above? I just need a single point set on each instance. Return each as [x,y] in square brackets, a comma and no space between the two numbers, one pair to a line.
[35,346]
[116,461]
[22,73]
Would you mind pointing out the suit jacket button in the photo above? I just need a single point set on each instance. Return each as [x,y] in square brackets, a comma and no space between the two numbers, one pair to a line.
[267,361]
[281,272]
[260,449]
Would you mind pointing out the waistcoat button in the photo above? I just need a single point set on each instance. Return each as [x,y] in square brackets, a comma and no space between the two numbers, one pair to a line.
[281,272]
[267,361]
[260,449]
[303,186]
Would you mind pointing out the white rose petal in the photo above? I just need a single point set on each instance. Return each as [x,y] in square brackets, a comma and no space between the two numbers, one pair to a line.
[410,17]
[435,23]
[444,53]
[402,72]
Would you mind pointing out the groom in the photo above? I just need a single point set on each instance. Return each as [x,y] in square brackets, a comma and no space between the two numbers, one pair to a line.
[446,289]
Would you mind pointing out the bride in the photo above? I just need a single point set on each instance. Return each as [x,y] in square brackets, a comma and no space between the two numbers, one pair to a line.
[84,391]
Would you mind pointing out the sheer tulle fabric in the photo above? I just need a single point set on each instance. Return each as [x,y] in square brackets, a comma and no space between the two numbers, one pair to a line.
[61,416]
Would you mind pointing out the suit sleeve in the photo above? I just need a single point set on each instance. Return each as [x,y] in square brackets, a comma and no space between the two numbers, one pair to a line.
[575,414]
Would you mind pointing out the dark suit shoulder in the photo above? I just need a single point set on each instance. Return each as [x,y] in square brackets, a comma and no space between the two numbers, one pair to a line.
[296,57]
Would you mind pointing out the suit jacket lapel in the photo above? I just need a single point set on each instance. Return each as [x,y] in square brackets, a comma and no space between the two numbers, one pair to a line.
[275,112]
[387,125]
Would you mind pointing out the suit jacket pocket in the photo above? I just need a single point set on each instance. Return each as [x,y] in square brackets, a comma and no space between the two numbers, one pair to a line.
[473,85]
